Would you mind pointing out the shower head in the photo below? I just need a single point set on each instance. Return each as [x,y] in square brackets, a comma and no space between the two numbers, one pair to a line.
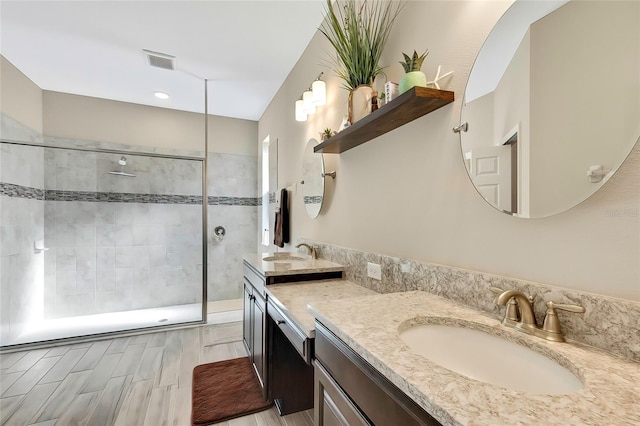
[123,162]
[122,174]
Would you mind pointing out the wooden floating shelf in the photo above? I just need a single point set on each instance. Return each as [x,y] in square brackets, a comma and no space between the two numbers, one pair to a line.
[412,104]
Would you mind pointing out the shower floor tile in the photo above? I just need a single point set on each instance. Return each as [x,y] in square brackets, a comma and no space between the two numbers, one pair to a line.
[103,323]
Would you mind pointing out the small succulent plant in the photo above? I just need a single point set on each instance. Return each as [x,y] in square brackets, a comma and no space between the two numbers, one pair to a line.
[413,63]
[327,133]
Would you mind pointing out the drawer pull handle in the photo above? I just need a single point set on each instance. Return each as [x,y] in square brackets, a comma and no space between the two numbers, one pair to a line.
[280,322]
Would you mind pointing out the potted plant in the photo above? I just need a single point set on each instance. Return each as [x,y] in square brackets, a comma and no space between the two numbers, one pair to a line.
[413,76]
[358,31]
[326,134]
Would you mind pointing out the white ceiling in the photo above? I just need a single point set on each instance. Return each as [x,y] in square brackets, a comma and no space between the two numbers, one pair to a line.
[245,49]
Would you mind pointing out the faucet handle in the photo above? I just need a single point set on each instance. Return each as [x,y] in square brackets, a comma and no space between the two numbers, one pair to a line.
[571,308]
[552,324]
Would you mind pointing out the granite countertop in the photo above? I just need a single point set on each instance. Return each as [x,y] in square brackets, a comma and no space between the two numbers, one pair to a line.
[290,267]
[293,298]
[370,326]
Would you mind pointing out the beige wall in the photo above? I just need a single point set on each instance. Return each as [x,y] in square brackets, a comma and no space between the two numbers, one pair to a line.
[407,193]
[20,98]
[87,118]
[233,136]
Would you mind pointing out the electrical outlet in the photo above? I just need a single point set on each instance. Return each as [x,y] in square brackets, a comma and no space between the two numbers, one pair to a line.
[374,271]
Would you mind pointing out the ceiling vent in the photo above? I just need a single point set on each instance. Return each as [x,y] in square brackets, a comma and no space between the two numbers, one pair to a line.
[160,60]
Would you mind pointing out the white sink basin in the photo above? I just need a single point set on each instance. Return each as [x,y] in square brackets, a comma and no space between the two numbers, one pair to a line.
[490,359]
[282,257]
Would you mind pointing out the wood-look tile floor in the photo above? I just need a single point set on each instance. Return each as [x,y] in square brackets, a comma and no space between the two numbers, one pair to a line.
[136,380]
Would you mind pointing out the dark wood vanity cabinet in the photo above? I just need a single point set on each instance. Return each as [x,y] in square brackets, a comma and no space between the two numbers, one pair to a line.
[255,324]
[280,351]
[349,391]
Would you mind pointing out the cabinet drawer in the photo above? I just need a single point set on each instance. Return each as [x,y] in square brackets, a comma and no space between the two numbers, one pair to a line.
[298,340]
[256,280]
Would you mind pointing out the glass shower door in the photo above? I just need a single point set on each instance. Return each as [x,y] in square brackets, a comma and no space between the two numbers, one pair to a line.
[117,244]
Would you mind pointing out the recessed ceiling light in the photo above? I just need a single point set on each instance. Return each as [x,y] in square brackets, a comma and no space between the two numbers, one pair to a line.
[161,95]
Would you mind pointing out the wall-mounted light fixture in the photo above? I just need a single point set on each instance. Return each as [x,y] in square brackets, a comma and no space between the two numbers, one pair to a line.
[319,89]
[300,114]
[313,97]
[308,104]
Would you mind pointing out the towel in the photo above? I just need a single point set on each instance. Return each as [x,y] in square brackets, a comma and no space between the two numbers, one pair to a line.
[281,229]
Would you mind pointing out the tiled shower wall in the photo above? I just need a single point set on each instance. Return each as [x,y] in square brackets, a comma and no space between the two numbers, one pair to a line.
[233,204]
[116,242]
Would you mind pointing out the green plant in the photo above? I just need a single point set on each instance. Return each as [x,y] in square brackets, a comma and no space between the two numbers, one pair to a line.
[327,133]
[413,63]
[358,31]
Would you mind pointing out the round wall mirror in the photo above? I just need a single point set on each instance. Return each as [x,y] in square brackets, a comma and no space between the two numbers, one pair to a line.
[552,104]
[312,179]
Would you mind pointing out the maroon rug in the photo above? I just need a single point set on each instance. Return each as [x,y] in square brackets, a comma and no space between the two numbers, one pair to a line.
[225,390]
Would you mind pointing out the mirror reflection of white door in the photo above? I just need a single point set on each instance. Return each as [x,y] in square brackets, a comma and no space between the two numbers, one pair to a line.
[491,174]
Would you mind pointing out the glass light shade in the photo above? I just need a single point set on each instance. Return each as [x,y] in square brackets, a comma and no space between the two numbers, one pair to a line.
[307,98]
[300,114]
[319,89]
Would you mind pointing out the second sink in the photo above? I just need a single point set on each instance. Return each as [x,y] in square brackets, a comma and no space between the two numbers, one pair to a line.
[490,359]
[282,257]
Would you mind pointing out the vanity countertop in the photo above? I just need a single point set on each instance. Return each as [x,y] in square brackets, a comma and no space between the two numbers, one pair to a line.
[370,325]
[293,298]
[290,267]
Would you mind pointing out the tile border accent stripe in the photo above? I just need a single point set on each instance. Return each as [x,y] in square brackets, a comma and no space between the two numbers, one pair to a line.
[234,201]
[20,191]
[120,197]
[313,199]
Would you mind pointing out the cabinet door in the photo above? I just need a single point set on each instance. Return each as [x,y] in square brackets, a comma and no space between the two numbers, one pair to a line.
[258,338]
[247,324]
[332,406]
[362,386]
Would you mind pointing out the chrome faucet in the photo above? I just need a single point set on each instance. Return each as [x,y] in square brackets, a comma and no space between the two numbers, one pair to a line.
[313,250]
[524,319]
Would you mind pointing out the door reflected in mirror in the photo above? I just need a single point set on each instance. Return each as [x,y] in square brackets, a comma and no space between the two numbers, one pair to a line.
[312,179]
[544,111]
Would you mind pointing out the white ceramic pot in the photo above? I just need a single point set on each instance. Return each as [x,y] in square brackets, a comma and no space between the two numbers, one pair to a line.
[360,102]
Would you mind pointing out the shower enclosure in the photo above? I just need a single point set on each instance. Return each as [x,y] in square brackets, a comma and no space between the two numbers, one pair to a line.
[91,245]
[105,204]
